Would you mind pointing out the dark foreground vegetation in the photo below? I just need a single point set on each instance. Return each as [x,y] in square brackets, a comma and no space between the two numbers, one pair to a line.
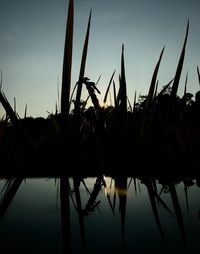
[158,134]
[103,144]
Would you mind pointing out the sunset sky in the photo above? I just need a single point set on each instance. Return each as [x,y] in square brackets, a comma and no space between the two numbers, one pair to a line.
[32,41]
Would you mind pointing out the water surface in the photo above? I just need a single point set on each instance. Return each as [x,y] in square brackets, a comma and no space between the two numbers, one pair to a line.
[99,215]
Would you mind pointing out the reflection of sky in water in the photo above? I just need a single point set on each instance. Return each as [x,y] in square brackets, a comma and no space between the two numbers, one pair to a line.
[32,222]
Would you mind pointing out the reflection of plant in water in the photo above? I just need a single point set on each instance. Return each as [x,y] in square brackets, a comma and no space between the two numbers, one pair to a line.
[9,190]
[120,186]
[155,189]
[92,204]
[156,199]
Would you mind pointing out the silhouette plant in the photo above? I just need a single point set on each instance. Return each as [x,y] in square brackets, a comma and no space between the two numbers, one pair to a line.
[160,129]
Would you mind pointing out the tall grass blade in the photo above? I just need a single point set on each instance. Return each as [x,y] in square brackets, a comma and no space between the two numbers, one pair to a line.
[25,111]
[179,68]
[153,82]
[198,73]
[119,92]
[134,103]
[11,113]
[114,94]
[1,80]
[156,90]
[123,93]
[58,93]
[82,68]
[186,80]
[67,60]
[15,106]
[72,94]
[98,80]
[129,105]
[107,90]
[146,128]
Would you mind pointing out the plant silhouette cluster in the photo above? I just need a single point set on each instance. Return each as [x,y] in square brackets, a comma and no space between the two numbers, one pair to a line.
[160,132]
[100,141]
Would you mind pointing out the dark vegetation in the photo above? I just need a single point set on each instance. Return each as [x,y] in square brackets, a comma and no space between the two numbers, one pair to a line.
[158,134]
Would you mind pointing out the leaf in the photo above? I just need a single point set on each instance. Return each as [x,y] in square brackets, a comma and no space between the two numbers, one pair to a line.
[1,80]
[198,74]
[67,60]
[129,104]
[11,113]
[106,94]
[114,93]
[186,79]
[153,82]
[82,68]
[156,90]
[119,92]
[179,67]
[134,103]
[25,111]
[123,93]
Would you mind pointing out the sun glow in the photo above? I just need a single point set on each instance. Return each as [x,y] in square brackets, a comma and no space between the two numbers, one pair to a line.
[111,189]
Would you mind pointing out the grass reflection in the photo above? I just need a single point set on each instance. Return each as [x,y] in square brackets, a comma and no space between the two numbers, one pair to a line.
[84,197]
[65,213]
[8,192]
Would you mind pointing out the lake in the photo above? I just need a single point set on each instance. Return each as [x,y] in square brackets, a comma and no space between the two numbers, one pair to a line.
[99,215]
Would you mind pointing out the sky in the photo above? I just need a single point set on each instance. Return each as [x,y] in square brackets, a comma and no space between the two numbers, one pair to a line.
[32,43]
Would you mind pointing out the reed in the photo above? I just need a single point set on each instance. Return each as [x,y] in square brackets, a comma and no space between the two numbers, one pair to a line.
[67,60]
[82,68]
